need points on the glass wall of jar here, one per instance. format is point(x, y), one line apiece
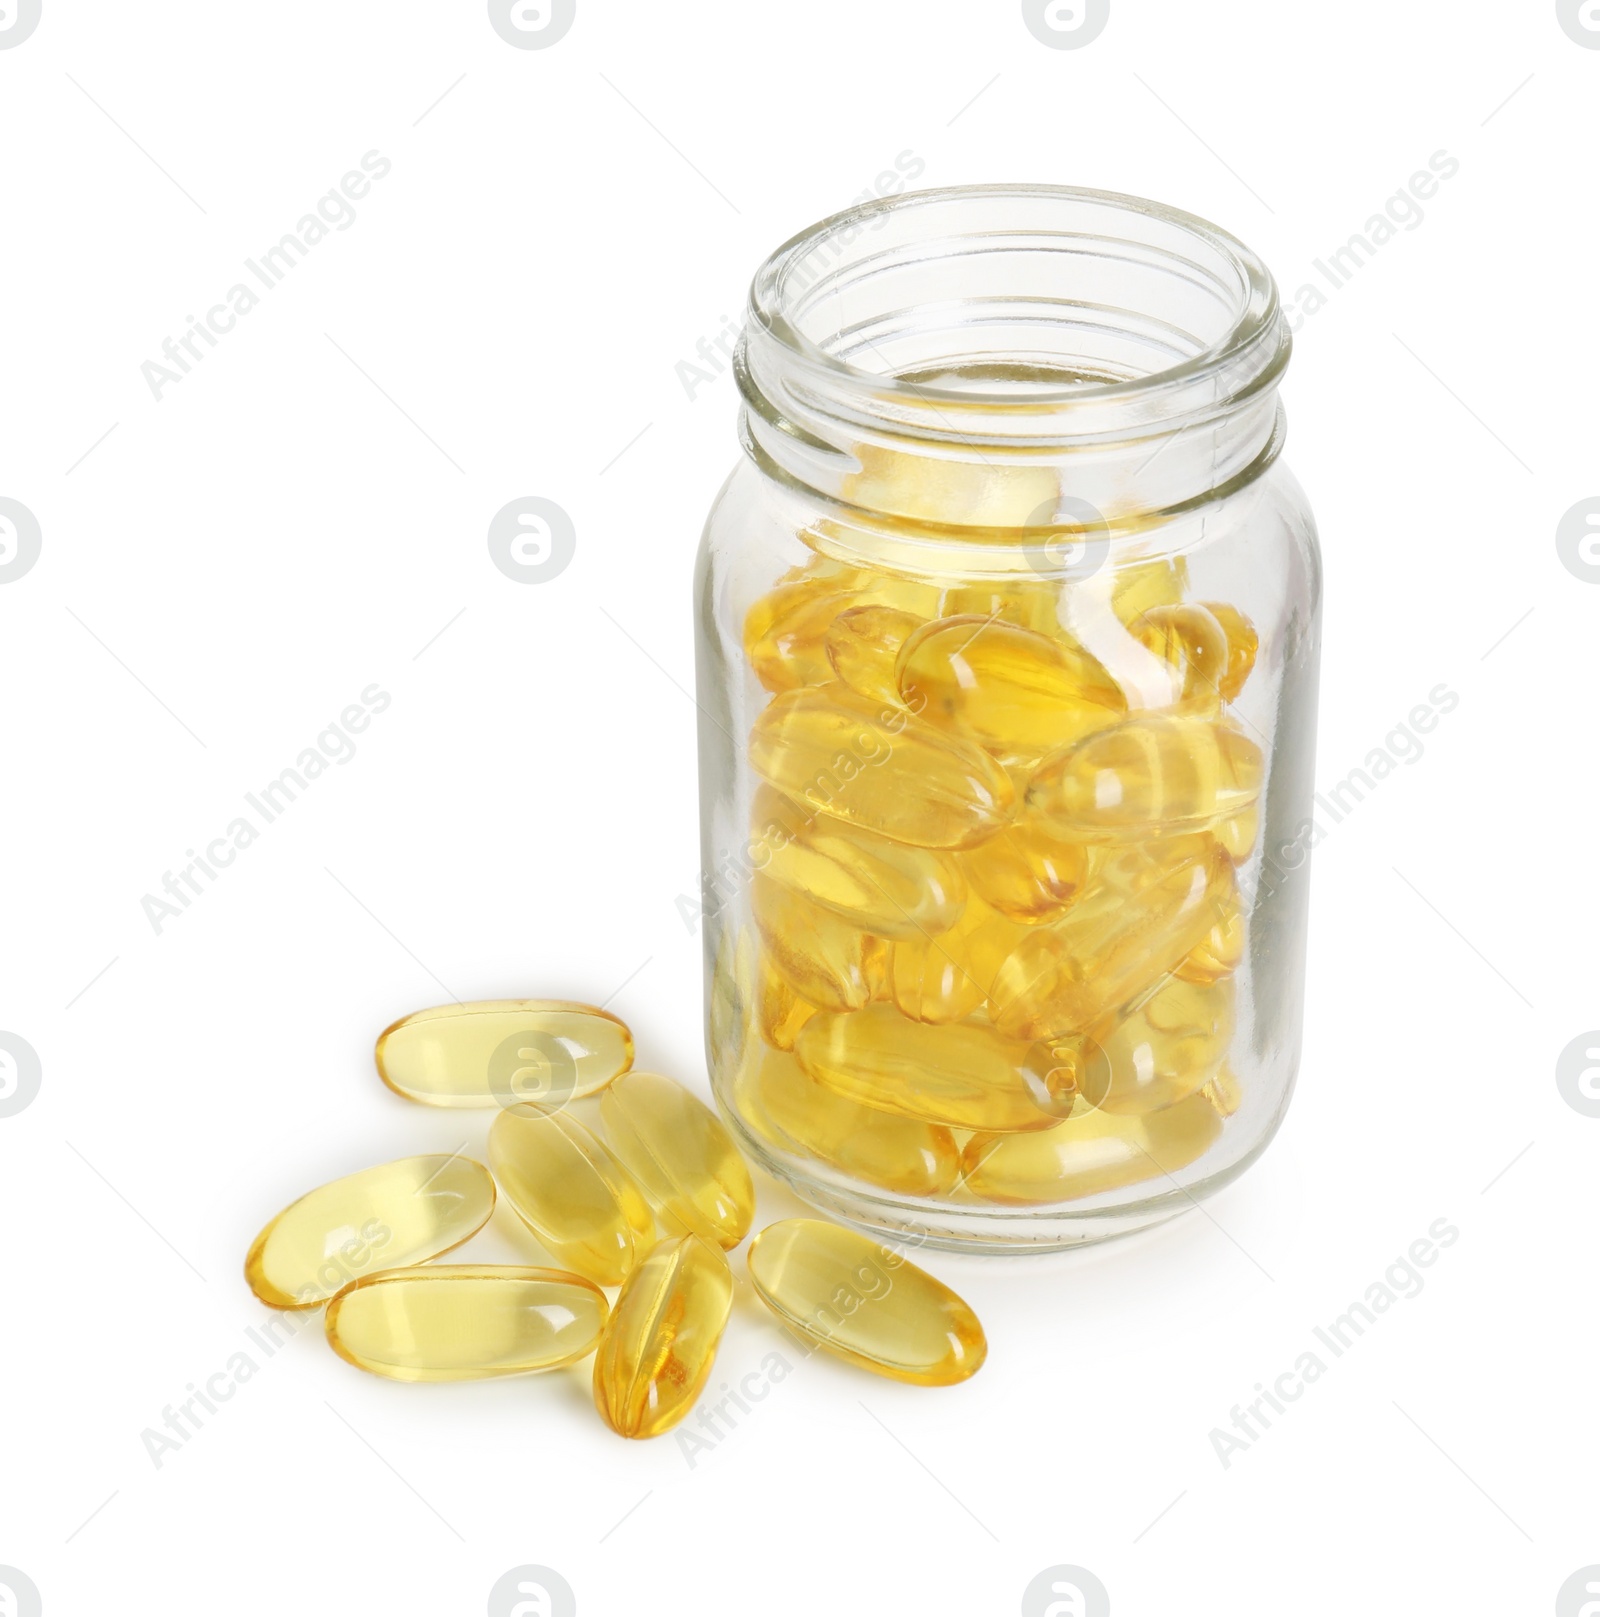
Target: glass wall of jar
point(1008, 626)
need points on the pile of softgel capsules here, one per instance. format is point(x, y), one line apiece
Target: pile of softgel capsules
point(649, 1204)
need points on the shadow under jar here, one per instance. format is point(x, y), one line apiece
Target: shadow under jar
point(1008, 628)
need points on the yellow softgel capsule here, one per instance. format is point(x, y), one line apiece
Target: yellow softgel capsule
point(1017, 692)
point(1151, 776)
point(1194, 646)
point(822, 957)
point(1027, 872)
point(679, 1152)
point(1114, 942)
point(1171, 1046)
point(961, 1074)
point(863, 644)
point(1243, 643)
point(881, 886)
point(1134, 590)
point(503, 1051)
point(947, 976)
point(893, 1152)
point(1238, 833)
point(880, 768)
point(401, 1213)
point(785, 634)
point(867, 1303)
point(1219, 953)
point(465, 1322)
point(1092, 1152)
point(658, 1346)
point(780, 1012)
point(569, 1189)
point(1035, 606)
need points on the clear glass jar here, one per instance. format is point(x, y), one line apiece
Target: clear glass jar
point(1008, 631)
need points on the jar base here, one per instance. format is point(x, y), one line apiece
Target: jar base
point(975, 1228)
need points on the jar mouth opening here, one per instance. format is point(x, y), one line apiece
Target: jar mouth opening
point(1015, 300)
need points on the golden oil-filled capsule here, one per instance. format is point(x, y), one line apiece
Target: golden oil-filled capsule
point(785, 634)
point(1092, 1152)
point(659, 1344)
point(822, 957)
point(1113, 943)
point(381, 1218)
point(880, 768)
point(881, 886)
point(947, 976)
point(961, 1074)
point(1151, 776)
point(981, 492)
point(466, 1321)
point(1194, 646)
point(1243, 643)
point(1017, 692)
point(893, 1152)
point(1164, 1051)
point(1238, 832)
point(863, 644)
point(780, 1012)
point(1027, 872)
point(1028, 605)
point(543, 1051)
point(569, 1189)
point(1224, 1091)
point(1134, 590)
point(866, 1302)
point(680, 1154)
point(1219, 953)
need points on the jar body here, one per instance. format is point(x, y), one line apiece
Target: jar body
point(1004, 847)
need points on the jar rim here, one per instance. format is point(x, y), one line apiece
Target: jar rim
point(1251, 351)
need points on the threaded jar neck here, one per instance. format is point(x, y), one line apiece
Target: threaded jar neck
point(1004, 357)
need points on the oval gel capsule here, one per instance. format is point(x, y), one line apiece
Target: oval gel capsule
point(897, 1153)
point(681, 1155)
point(863, 645)
point(1027, 872)
point(878, 885)
point(1113, 943)
point(1243, 643)
point(821, 956)
point(503, 1051)
point(785, 633)
point(658, 1347)
point(569, 1189)
point(1166, 1050)
point(1089, 1153)
point(865, 1302)
point(401, 1213)
point(465, 1322)
point(1194, 647)
point(1015, 691)
point(962, 1074)
point(1153, 776)
point(879, 767)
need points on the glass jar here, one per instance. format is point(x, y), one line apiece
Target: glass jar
point(1008, 631)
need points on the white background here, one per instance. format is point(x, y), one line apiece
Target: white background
point(305, 515)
